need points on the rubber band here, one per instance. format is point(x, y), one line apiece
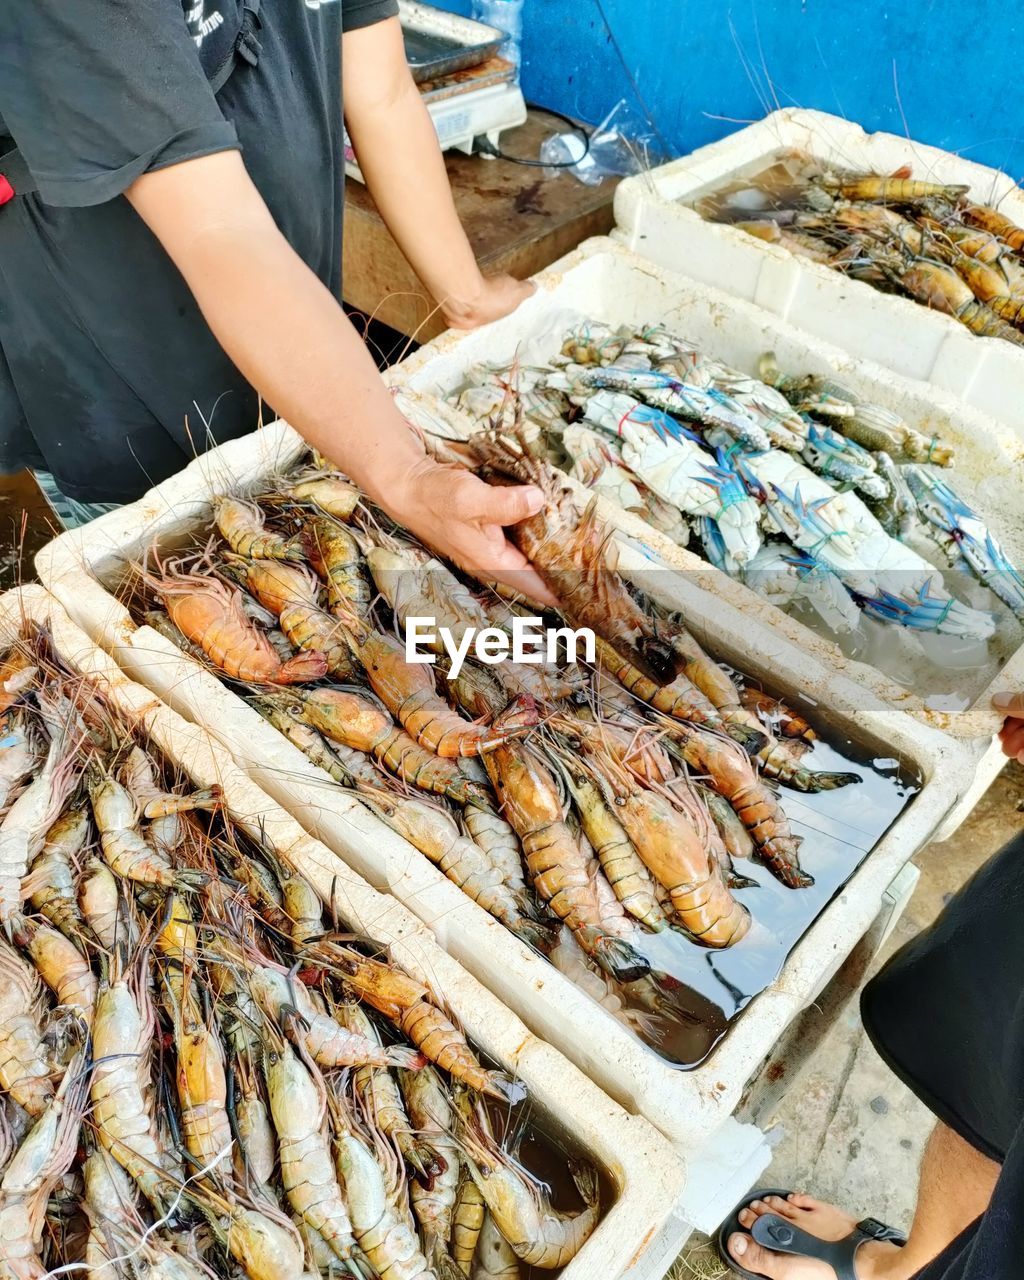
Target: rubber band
point(823, 542)
point(623, 420)
point(947, 609)
point(730, 502)
point(931, 447)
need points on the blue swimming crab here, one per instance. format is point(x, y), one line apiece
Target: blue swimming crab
point(965, 538)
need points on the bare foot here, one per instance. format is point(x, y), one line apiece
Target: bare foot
point(876, 1259)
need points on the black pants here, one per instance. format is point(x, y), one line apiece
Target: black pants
point(947, 1016)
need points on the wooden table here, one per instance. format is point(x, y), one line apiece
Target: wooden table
point(517, 220)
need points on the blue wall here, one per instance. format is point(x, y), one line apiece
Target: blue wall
point(946, 73)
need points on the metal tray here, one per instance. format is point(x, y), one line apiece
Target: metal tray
point(439, 44)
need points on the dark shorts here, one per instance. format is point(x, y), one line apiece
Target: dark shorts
point(947, 1016)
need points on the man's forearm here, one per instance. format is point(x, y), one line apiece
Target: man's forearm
point(295, 345)
point(405, 171)
point(401, 160)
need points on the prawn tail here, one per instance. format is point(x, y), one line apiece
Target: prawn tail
point(301, 668)
point(781, 856)
point(585, 1177)
point(618, 958)
point(750, 739)
point(496, 1084)
point(808, 781)
point(408, 1059)
point(520, 714)
point(210, 800)
point(539, 934)
point(443, 1265)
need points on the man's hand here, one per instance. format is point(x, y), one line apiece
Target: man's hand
point(498, 296)
point(1012, 733)
point(457, 514)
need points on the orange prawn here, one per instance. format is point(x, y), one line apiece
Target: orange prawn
point(893, 190)
point(409, 693)
point(570, 552)
point(241, 526)
point(673, 838)
point(998, 224)
point(626, 872)
point(290, 592)
point(410, 1006)
point(210, 615)
point(732, 775)
point(635, 749)
point(939, 286)
point(392, 992)
point(336, 556)
point(355, 721)
point(680, 699)
point(557, 864)
point(691, 660)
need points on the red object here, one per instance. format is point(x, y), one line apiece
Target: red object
point(6, 190)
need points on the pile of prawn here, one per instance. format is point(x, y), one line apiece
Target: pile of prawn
point(928, 241)
point(201, 1075)
point(585, 808)
point(815, 498)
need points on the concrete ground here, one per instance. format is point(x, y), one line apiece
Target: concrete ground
point(847, 1130)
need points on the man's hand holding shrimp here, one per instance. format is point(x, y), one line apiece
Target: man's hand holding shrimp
point(1012, 733)
point(456, 513)
point(293, 342)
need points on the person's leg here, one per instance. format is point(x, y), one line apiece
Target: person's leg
point(955, 1188)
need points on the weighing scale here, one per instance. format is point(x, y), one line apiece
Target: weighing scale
point(469, 90)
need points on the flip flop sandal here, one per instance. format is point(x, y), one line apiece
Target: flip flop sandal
point(775, 1233)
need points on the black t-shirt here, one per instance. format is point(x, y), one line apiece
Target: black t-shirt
point(947, 1015)
point(109, 376)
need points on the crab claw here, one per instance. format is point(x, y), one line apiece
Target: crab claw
point(1002, 578)
point(717, 552)
point(929, 612)
point(737, 520)
point(663, 424)
point(972, 540)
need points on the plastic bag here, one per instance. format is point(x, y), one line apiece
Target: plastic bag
point(621, 145)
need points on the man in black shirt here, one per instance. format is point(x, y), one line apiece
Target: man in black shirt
point(171, 194)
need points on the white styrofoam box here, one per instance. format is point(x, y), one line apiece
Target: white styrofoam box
point(607, 282)
point(643, 1224)
point(688, 1106)
point(654, 218)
